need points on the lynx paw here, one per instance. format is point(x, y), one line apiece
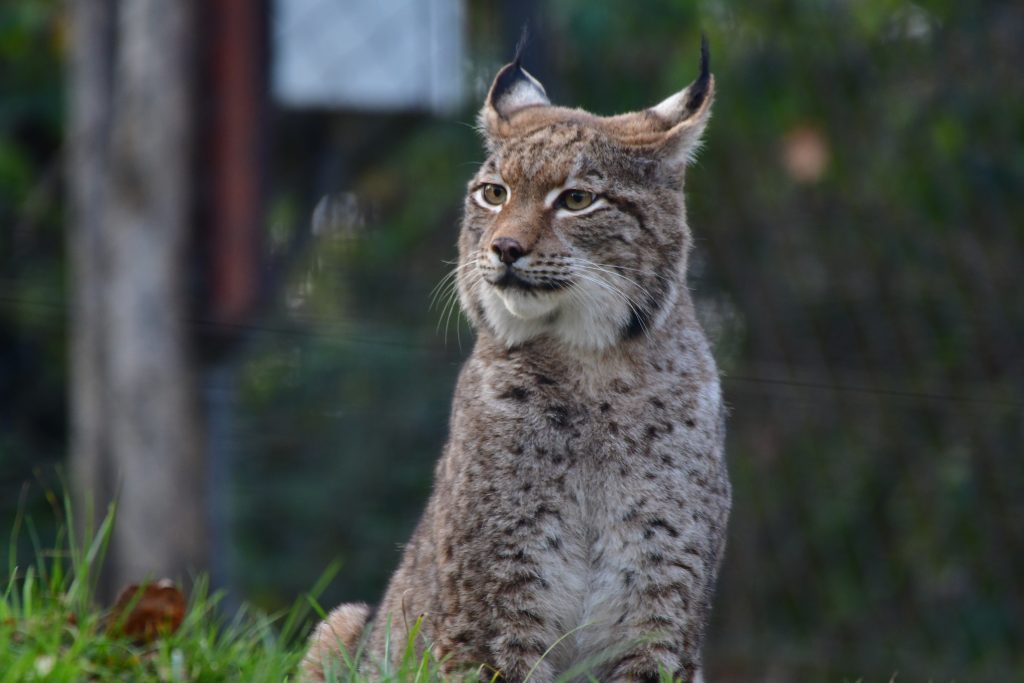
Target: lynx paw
point(341, 630)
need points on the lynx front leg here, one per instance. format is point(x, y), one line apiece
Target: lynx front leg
point(697, 677)
point(507, 669)
point(507, 659)
point(516, 667)
point(521, 634)
point(514, 657)
point(644, 664)
point(668, 601)
point(497, 623)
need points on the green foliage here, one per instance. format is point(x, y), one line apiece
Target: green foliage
point(52, 629)
point(32, 322)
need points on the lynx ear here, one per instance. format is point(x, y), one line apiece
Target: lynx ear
point(513, 89)
point(686, 113)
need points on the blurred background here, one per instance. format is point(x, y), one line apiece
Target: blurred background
point(220, 224)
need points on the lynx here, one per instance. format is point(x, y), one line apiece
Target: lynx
point(578, 515)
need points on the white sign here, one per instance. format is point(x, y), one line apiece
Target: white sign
point(378, 55)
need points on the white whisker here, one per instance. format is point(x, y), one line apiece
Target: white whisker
point(445, 281)
point(636, 309)
point(594, 267)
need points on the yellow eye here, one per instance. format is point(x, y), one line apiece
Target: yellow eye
point(576, 200)
point(495, 195)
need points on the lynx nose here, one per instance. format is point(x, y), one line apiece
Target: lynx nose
point(507, 249)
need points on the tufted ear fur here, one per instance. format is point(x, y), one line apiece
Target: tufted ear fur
point(513, 90)
point(686, 114)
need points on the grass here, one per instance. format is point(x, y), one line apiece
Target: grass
point(52, 629)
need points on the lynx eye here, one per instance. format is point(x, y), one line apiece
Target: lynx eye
point(495, 195)
point(576, 200)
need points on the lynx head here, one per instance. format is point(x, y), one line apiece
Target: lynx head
point(575, 225)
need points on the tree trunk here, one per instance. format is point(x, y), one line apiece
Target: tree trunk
point(136, 426)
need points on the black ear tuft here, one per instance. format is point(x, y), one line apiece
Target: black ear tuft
point(513, 90)
point(683, 116)
point(698, 90)
point(524, 38)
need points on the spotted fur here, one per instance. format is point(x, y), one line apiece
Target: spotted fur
point(580, 506)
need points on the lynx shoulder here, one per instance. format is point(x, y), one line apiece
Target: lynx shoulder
point(583, 489)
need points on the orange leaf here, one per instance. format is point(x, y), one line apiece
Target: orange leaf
point(157, 609)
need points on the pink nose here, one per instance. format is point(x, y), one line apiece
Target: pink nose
point(507, 249)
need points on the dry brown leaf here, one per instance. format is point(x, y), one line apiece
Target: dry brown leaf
point(157, 609)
